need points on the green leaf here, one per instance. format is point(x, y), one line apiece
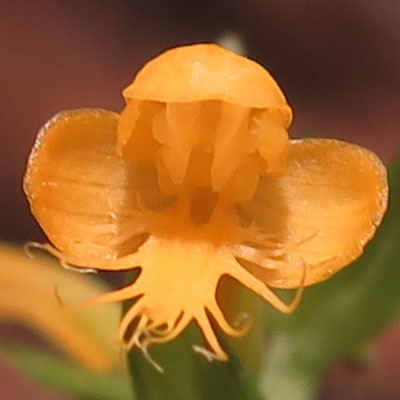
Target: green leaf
point(188, 376)
point(66, 376)
point(338, 316)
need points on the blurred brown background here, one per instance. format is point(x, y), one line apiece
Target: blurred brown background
point(338, 61)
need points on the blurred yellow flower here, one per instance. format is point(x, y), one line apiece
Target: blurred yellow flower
point(194, 180)
point(28, 295)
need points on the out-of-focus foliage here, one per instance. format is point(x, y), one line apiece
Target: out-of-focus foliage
point(65, 375)
point(189, 376)
point(37, 293)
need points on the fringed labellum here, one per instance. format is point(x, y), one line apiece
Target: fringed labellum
point(196, 179)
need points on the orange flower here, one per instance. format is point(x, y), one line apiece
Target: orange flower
point(197, 179)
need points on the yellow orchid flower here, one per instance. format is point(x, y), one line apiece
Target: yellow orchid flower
point(29, 290)
point(196, 179)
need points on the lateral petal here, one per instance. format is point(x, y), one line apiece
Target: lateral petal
point(82, 194)
point(319, 215)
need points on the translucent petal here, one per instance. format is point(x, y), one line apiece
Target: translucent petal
point(82, 194)
point(207, 72)
point(320, 214)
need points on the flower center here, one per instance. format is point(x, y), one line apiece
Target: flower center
point(207, 148)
